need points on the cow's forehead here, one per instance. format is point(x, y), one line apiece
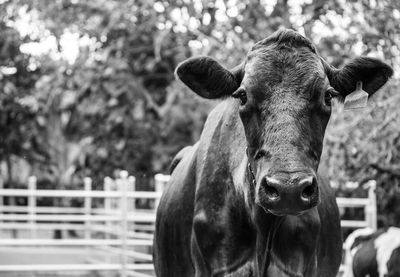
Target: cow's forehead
point(285, 52)
point(276, 66)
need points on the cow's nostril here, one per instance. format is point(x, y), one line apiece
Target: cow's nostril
point(309, 185)
point(271, 192)
point(308, 191)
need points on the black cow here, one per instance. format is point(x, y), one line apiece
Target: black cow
point(243, 201)
point(373, 254)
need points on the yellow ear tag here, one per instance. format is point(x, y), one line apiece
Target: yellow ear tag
point(357, 99)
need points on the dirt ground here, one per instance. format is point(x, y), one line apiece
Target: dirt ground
point(65, 255)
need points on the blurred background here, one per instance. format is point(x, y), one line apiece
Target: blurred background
point(88, 87)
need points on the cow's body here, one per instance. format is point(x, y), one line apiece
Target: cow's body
point(203, 221)
point(375, 255)
point(243, 201)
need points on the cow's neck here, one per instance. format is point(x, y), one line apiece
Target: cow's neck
point(266, 226)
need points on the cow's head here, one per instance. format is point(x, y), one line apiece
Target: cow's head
point(284, 91)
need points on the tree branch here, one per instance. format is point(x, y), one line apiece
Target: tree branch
point(159, 110)
point(393, 170)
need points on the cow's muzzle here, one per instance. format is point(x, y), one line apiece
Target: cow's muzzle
point(288, 193)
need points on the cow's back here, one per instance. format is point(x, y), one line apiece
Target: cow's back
point(174, 221)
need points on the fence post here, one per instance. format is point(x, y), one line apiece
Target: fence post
point(1, 196)
point(107, 205)
point(371, 210)
point(124, 221)
point(87, 182)
point(131, 203)
point(132, 187)
point(160, 181)
point(32, 181)
point(1, 187)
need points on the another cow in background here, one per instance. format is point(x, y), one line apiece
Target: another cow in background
point(373, 254)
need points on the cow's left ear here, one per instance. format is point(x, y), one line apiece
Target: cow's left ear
point(371, 72)
point(208, 78)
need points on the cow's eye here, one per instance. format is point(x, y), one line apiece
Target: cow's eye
point(260, 154)
point(240, 93)
point(329, 94)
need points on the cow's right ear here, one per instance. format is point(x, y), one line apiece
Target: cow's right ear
point(209, 79)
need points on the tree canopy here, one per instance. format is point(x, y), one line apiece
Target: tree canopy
point(88, 86)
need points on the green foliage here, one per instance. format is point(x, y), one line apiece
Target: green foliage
point(114, 102)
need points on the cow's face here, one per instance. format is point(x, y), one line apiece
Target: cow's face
point(285, 104)
point(284, 91)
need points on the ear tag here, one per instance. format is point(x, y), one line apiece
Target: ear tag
point(357, 99)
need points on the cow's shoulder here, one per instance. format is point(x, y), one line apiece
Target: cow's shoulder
point(174, 220)
point(178, 157)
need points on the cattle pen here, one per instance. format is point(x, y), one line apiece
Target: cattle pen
point(114, 237)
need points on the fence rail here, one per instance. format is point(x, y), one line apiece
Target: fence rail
point(75, 267)
point(80, 193)
point(73, 242)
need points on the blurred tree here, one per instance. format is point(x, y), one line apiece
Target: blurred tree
point(90, 84)
point(18, 105)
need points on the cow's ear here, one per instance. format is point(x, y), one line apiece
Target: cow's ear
point(208, 78)
point(371, 72)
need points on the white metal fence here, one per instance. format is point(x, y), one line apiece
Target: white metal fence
point(118, 232)
point(368, 204)
point(117, 236)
